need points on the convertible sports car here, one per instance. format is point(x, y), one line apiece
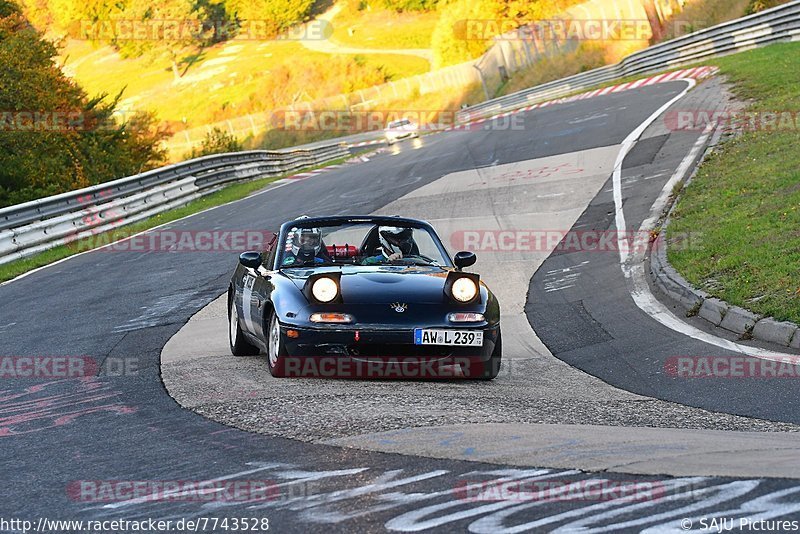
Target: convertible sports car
point(355, 296)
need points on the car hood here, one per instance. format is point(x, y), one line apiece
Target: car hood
point(381, 284)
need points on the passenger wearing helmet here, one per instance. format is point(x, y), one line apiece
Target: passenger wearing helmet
point(395, 243)
point(306, 248)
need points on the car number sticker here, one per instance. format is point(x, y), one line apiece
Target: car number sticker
point(247, 302)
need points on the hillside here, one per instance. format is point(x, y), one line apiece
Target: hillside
point(53, 136)
point(312, 51)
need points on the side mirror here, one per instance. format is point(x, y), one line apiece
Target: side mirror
point(251, 259)
point(464, 258)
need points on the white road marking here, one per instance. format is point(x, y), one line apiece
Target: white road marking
point(165, 495)
point(640, 291)
point(428, 517)
point(587, 119)
point(627, 145)
point(559, 284)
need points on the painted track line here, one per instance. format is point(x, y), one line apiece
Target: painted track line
point(634, 270)
point(696, 73)
point(627, 145)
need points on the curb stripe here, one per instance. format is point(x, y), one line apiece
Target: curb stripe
point(694, 73)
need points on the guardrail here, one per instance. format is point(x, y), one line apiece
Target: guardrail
point(35, 226)
point(779, 24)
point(31, 227)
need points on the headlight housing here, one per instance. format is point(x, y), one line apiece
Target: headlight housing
point(464, 289)
point(325, 289)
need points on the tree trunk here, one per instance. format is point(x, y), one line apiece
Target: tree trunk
point(655, 21)
point(176, 73)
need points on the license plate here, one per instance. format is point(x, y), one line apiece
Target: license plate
point(461, 338)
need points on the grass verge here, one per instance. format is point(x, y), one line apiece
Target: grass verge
point(587, 57)
point(382, 28)
point(227, 194)
point(743, 207)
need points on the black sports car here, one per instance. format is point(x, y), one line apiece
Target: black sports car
point(363, 296)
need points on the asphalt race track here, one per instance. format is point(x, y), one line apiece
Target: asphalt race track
point(382, 456)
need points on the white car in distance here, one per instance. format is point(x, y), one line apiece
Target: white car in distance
point(400, 129)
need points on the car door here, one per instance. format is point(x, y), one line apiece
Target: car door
point(248, 301)
point(261, 289)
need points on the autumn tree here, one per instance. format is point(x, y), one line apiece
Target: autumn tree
point(53, 138)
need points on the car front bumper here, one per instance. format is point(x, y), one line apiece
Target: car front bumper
point(400, 136)
point(355, 351)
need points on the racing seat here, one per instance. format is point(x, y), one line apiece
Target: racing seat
point(369, 246)
point(323, 252)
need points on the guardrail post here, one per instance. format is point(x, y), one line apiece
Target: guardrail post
point(483, 82)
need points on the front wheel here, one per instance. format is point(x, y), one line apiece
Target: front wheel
point(239, 344)
point(276, 361)
point(489, 369)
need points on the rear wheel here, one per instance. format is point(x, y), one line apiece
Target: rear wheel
point(276, 361)
point(239, 344)
point(489, 369)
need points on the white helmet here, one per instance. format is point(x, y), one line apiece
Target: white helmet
point(394, 239)
point(306, 243)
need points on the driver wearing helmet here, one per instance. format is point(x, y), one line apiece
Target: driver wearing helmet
point(306, 247)
point(395, 243)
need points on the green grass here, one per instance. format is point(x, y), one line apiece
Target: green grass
point(229, 80)
point(397, 66)
point(223, 196)
point(743, 207)
point(220, 84)
point(586, 57)
point(700, 15)
point(379, 28)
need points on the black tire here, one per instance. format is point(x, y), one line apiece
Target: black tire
point(276, 353)
point(239, 344)
point(489, 369)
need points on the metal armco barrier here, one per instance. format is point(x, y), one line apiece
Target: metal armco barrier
point(35, 226)
point(779, 24)
point(31, 227)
